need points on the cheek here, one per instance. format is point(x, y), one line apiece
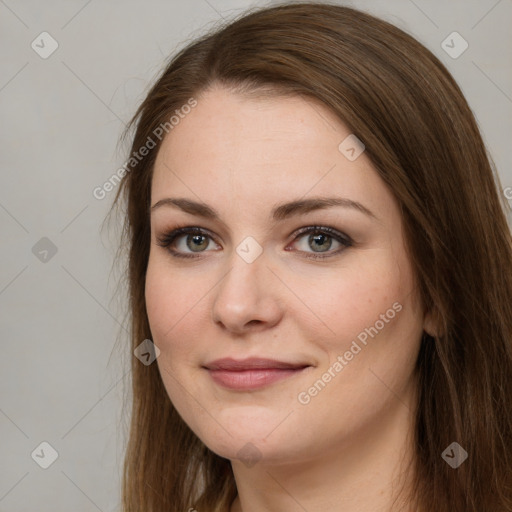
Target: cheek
point(352, 298)
point(161, 300)
point(371, 319)
point(178, 304)
point(173, 306)
point(369, 360)
point(170, 306)
point(170, 298)
point(377, 321)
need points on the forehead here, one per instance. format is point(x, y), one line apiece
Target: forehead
point(228, 121)
point(260, 150)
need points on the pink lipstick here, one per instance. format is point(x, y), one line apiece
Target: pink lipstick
point(252, 373)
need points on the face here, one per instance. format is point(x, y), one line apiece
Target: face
point(326, 287)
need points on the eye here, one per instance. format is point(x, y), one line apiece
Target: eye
point(197, 240)
point(320, 239)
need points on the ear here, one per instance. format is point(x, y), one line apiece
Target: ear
point(432, 323)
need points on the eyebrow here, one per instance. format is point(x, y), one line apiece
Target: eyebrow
point(279, 212)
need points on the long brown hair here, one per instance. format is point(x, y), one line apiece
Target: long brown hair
point(422, 138)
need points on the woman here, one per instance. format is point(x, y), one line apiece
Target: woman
point(320, 256)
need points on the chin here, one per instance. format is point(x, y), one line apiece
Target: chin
point(252, 443)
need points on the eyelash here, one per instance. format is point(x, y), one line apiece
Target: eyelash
point(169, 237)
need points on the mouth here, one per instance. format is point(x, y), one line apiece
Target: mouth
point(253, 373)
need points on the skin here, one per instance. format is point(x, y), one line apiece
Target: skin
point(348, 448)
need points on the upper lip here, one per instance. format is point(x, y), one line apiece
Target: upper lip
point(251, 363)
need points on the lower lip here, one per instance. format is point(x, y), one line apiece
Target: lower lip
point(246, 380)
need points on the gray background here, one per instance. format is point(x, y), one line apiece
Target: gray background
point(62, 374)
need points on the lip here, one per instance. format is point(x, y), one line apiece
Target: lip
point(252, 373)
point(252, 363)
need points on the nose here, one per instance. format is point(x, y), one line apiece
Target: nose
point(247, 297)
